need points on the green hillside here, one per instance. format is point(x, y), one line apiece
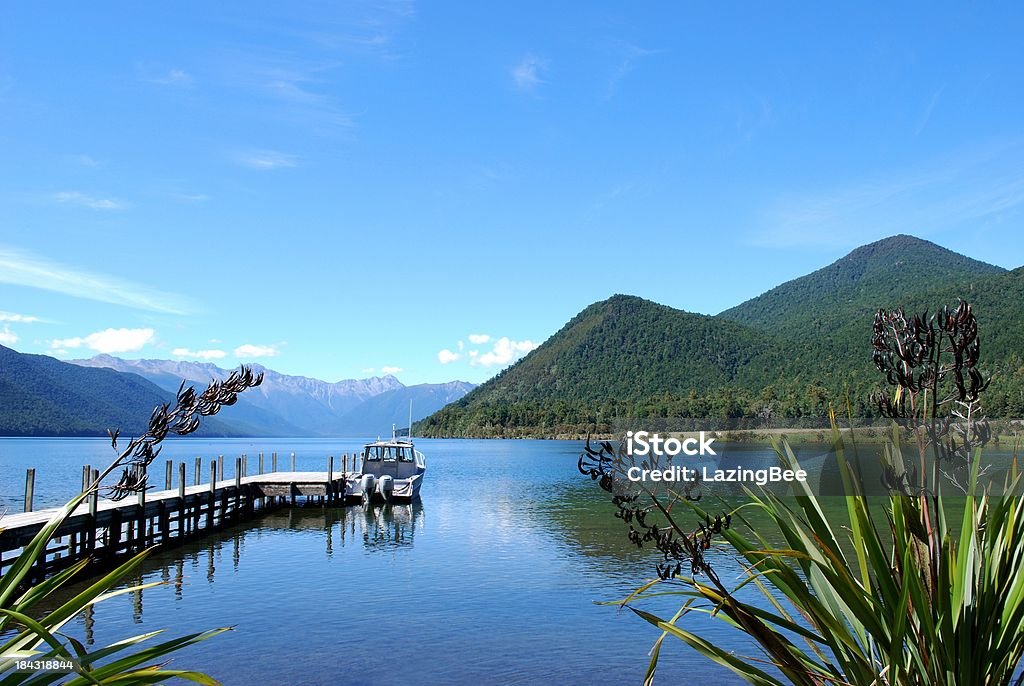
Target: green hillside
point(42, 396)
point(785, 354)
point(622, 356)
point(842, 294)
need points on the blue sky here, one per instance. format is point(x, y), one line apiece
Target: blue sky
point(334, 188)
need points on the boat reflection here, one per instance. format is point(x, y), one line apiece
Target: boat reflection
point(373, 528)
point(383, 527)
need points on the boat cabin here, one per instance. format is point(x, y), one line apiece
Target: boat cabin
point(398, 459)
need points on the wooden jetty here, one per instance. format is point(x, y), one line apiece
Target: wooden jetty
point(107, 530)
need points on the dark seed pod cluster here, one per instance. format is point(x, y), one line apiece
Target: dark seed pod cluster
point(638, 504)
point(932, 363)
point(179, 419)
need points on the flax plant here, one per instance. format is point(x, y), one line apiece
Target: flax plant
point(29, 635)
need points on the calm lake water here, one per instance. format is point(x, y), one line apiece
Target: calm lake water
point(491, 578)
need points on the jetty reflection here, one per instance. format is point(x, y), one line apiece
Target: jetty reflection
point(372, 528)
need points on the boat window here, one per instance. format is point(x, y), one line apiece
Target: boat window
point(405, 455)
point(372, 453)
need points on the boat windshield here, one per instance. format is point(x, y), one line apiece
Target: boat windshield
point(388, 453)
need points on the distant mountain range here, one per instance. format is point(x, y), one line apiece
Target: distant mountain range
point(787, 353)
point(40, 395)
point(285, 405)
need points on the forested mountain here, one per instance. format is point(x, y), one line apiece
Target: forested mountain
point(785, 354)
point(880, 274)
point(42, 396)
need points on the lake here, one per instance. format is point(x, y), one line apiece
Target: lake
point(491, 578)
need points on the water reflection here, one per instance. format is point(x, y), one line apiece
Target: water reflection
point(374, 528)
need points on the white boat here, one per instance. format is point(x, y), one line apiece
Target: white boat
point(391, 471)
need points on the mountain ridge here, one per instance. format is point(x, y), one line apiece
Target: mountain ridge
point(791, 351)
point(40, 395)
point(290, 405)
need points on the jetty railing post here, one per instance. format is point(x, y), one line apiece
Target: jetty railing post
point(261, 462)
point(213, 495)
point(141, 520)
point(170, 473)
point(94, 475)
point(199, 467)
point(182, 519)
point(238, 484)
point(220, 466)
point(330, 479)
point(273, 462)
point(293, 462)
point(30, 487)
point(245, 465)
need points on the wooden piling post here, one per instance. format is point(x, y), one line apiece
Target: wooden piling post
point(273, 461)
point(238, 485)
point(330, 479)
point(261, 462)
point(293, 462)
point(182, 520)
point(220, 466)
point(170, 472)
point(165, 522)
point(114, 534)
point(213, 495)
point(245, 465)
point(30, 487)
point(94, 475)
point(140, 520)
point(199, 467)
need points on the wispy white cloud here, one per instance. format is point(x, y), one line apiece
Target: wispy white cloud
point(249, 351)
point(265, 160)
point(527, 74)
point(91, 201)
point(107, 341)
point(212, 354)
point(478, 338)
point(188, 197)
point(390, 370)
point(628, 54)
point(970, 188)
point(165, 77)
point(8, 337)
point(447, 356)
point(26, 269)
point(287, 89)
point(753, 118)
point(369, 370)
point(14, 317)
point(927, 116)
point(89, 161)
